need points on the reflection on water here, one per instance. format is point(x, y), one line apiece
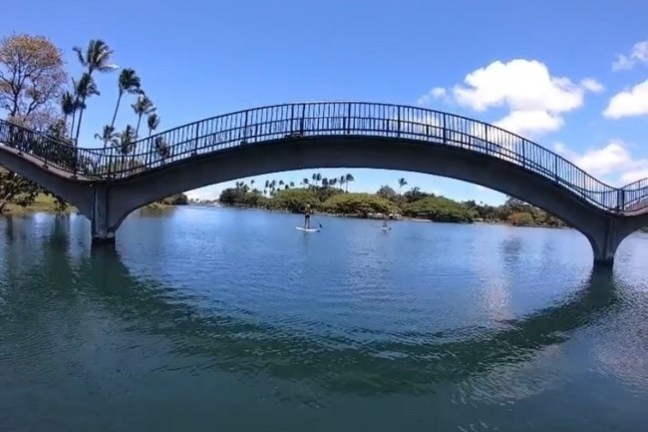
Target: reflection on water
point(230, 318)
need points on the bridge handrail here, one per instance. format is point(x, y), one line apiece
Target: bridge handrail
point(246, 127)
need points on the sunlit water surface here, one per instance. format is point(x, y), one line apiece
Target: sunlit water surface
point(232, 320)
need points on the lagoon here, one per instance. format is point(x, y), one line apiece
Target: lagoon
point(232, 320)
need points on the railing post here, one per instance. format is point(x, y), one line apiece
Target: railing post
point(398, 132)
point(347, 125)
point(44, 152)
point(556, 177)
point(110, 162)
point(245, 125)
point(301, 122)
point(196, 135)
point(445, 129)
point(620, 200)
point(524, 164)
point(149, 154)
point(75, 163)
point(292, 119)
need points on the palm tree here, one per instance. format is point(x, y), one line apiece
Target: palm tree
point(125, 143)
point(305, 182)
point(68, 107)
point(401, 182)
point(142, 105)
point(84, 88)
point(348, 179)
point(128, 82)
point(95, 58)
point(292, 184)
point(162, 148)
point(108, 136)
point(152, 121)
point(325, 182)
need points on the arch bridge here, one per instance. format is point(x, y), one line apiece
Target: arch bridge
point(106, 184)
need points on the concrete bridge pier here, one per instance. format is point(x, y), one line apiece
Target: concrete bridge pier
point(103, 231)
point(614, 230)
point(605, 243)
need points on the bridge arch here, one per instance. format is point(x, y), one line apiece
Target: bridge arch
point(357, 152)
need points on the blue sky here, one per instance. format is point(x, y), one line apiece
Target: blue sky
point(549, 70)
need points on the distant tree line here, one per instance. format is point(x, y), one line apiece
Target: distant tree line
point(332, 196)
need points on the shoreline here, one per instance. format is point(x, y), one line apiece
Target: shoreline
point(44, 206)
point(376, 218)
point(13, 210)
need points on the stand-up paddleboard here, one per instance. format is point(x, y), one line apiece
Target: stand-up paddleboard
point(387, 228)
point(309, 230)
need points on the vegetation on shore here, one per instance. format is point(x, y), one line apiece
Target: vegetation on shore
point(46, 203)
point(36, 92)
point(331, 196)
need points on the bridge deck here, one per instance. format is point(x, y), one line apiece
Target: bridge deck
point(38, 161)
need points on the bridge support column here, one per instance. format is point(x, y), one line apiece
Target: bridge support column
point(606, 243)
point(102, 231)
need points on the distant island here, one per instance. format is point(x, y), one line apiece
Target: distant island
point(331, 196)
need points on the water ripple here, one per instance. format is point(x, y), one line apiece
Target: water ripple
point(227, 311)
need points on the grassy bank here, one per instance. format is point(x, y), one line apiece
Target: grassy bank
point(44, 203)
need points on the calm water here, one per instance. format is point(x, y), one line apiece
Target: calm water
point(214, 319)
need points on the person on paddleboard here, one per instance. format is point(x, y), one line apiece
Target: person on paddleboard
point(385, 225)
point(307, 215)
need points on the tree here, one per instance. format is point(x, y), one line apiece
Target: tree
point(439, 209)
point(162, 148)
point(108, 136)
point(386, 192)
point(16, 189)
point(153, 121)
point(68, 108)
point(96, 58)
point(83, 88)
point(415, 194)
point(128, 82)
point(143, 105)
point(125, 143)
point(126, 139)
point(401, 182)
point(348, 179)
point(31, 84)
point(31, 77)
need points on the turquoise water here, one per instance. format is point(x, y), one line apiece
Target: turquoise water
point(231, 320)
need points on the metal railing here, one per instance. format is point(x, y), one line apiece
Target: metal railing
point(287, 121)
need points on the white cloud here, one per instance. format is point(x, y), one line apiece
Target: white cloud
point(632, 102)
point(435, 93)
point(535, 99)
point(612, 162)
point(638, 54)
point(592, 85)
point(530, 122)
point(520, 85)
